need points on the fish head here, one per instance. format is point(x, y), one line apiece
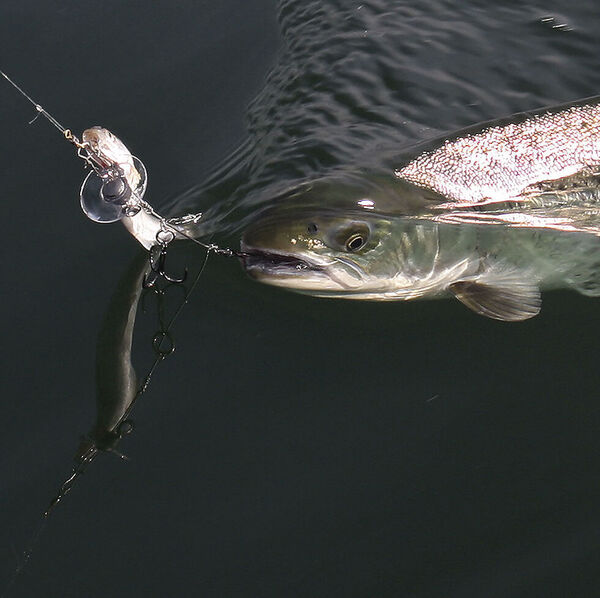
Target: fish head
point(328, 253)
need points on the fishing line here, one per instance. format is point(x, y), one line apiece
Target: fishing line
point(39, 108)
point(26, 556)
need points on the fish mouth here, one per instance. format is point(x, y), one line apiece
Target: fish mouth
point(295, 273)
point(259, 264)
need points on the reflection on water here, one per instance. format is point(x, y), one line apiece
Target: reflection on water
point(117, 385)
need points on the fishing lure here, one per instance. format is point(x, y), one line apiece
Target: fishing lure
point(114, 189)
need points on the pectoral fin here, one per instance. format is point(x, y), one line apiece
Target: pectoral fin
point(506, 298)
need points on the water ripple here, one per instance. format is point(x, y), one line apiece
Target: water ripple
point(356, 80)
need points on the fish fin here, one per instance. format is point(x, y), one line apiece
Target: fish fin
point(502, 297)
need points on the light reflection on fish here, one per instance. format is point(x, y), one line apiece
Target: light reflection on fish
point(512, 159)
point(490, 215)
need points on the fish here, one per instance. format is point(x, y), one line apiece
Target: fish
point(490, 215)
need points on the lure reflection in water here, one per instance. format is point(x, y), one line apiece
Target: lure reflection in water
point(490, 215)
point(116, 380)
point(118, 386)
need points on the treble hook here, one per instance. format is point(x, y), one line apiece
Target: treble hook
point(157, 265)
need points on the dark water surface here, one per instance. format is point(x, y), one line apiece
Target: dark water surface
point(291, 446)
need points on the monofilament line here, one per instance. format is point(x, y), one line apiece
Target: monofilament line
point(39, 108)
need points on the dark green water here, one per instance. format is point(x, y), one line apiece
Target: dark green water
point(290, 446)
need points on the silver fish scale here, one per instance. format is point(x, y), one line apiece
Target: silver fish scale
point(501, 161)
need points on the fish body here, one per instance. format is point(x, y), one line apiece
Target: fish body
point(490, 215)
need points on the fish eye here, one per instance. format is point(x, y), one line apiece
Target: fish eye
point(312, 228)
point(351, 237)
point(355, 241)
